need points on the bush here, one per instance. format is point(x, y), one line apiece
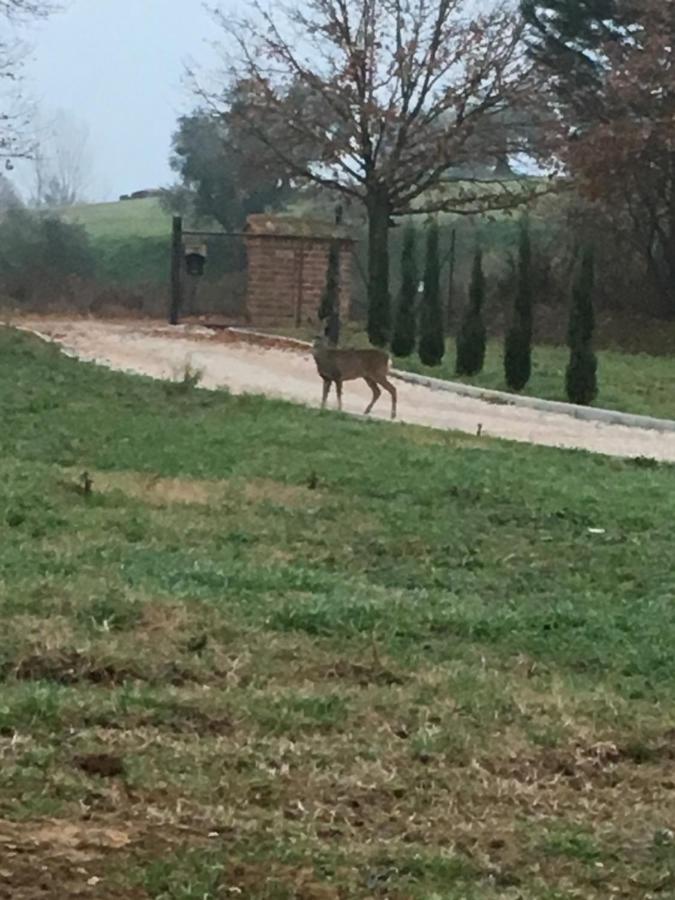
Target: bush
point(40, 251)
point(471, 338)
point(582, 314)
point(405, 331)
point(518, 343)
point(581, 378)
point(432, 334)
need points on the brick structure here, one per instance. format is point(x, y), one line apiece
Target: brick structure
point(287, 262)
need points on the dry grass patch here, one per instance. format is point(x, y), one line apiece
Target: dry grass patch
point(290, 496)
point(156, 491)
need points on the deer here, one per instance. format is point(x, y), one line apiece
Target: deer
point(336, 366)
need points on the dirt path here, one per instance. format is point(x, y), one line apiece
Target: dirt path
point(162, 352)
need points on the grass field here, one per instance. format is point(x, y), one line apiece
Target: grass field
point(635, 383)
point(324, 658)
point(121, 220)
point(130, 239)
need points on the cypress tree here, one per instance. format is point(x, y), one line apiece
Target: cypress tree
point(518, 343)
point(432, 331)
point(581, 378)
point(329, 308)
point(405, 331)
point(471, 338)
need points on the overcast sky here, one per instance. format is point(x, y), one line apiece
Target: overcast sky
point(117, 65)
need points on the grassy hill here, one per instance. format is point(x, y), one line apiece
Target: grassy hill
point(326, 659)
point(122, 219)
point(130, 239)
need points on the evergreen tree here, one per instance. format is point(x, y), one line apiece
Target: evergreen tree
point(581, 379)
point(518, 344)
point(405, 332)
point(329, 308)
point(471, 338)
point(432, 331)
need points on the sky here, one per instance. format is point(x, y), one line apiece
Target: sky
point(117, 66)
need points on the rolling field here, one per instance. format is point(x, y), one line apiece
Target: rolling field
point(266, 652)
point(131, 240)
point(123, 219)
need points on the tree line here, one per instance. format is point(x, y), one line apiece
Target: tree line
point(412, 109)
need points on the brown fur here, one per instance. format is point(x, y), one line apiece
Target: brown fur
point(337, 366)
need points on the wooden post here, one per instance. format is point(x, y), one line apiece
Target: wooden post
point(176, 265)
point(451, 281)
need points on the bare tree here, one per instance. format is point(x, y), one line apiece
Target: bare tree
point(23, 9)
point(9, 199)
point(15, 112)
point(62, 162)
point(395, 93)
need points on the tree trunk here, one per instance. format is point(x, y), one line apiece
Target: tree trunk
point(669, 250)
point(379, 301)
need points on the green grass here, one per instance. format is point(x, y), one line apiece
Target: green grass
point(337, 659)
point(130, 239)
point(123, 219)
point(131, 243)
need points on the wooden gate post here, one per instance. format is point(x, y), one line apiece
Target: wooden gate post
point(176, 264)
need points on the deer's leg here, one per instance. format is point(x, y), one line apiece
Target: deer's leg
point(338, 390)
point(376, 394)
point(326, 391)
point(388, 386)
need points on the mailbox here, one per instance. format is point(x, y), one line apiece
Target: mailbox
point(195, 259)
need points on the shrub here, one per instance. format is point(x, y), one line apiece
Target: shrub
point(40, 251)
point(432, 332)
point(405, 331)
point(471, 338)
point(581, 377)
point(518, 343)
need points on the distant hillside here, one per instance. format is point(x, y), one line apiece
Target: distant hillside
point(131, 240)
point(122, 219)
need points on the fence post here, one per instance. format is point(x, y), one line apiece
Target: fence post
point(176, 264)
